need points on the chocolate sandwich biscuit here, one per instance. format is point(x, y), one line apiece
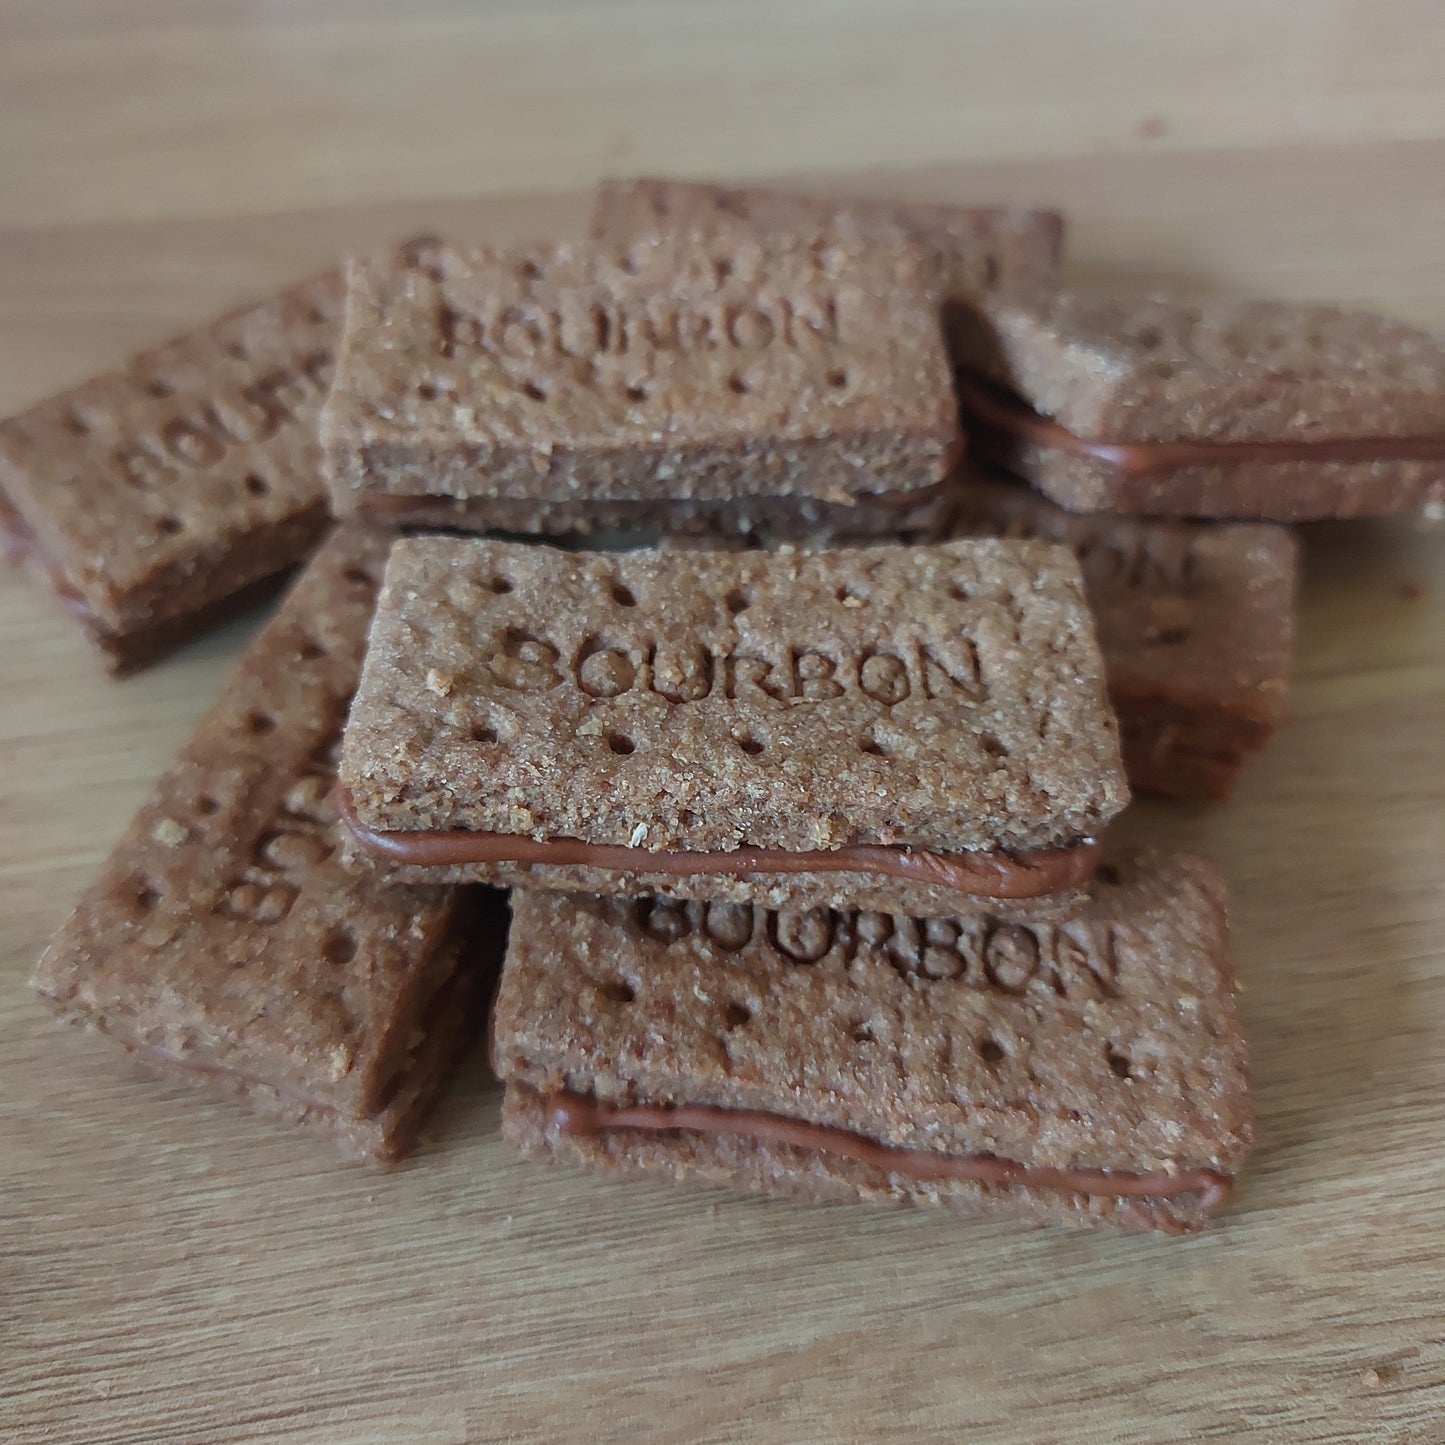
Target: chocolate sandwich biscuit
point(897, 727)
point(224, 945)
point(970, 250)
point(1086, 1070)
point(680, 384)
point(1218, 408)
point(150, 500)
point(1195, 621)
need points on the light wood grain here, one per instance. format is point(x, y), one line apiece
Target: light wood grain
point(173, 1271)
point(189, 109)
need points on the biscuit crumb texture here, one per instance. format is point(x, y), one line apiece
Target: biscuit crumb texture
point(948, 697)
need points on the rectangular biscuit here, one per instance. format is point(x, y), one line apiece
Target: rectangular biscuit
point(1219, 408)
point(1086, 1070)
point(693, 386)
point(150, 499)
point(970, 250)
point(898, 726)
point(1195, 621)
point(223, 943)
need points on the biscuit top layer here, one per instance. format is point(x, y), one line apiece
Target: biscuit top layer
point(128, 480)
point(1106, 1040)
point(950, 697)
point(1132, 368)
point(970, 249)
point(670, 369)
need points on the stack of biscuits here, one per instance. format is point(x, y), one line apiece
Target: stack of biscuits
point(773, 594)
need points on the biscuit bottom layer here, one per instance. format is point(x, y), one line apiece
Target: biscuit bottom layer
point(999, 409)
point(1035, 873)
point(581, 1116)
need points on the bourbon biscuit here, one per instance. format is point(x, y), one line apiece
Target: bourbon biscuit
point(156, 498)
point(970, 250)
point(1218, 408)
point(1088, 1070)
point(911, 727)
point(685, 384)
point(224, 944)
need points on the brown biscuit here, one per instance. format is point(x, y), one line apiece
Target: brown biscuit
point(1219, 408)
point(544, 390)
point(150, 499)
point(1105, 1041)
point(224, 944)
point(970, 250)
point(1195, 622)
point(941, 700)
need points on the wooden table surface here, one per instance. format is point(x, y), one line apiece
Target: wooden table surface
point(173, 1271)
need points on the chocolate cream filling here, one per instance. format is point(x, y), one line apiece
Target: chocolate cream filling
point(580, 1116)
point(1000, 410)
point(1035, 873)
